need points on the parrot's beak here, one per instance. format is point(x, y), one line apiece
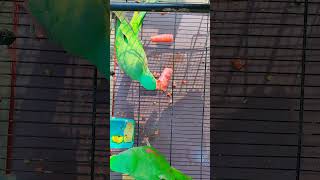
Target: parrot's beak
point(163, 81)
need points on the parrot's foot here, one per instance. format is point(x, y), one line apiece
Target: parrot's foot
point(163, 81)
point(146, 140)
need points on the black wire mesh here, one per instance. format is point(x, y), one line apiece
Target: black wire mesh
point(178, 125)
point(53, 108)
point(265, 116)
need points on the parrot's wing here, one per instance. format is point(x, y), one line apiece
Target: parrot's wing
point(64, 23)
point(124, 25)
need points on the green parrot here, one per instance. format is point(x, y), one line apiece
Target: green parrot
point(81, 27)
point(130, 53)
point(145, 163)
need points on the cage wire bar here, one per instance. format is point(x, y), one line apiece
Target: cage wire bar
point(265, 121)
point(160, 7)
point(177, 125)
point(55, 106)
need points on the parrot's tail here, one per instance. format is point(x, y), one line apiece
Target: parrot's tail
point(163, 81)
point(178, 175)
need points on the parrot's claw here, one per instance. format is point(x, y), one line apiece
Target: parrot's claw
point(147, 141)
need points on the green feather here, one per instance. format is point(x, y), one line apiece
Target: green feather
point(145, 163)
point(81, 27)
point(130, 53)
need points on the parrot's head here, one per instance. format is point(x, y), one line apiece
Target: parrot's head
point(148, 81)
point(122, 163)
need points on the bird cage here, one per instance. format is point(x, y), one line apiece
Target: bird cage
point(265, 89)
point(175, 121)
point(54, 107)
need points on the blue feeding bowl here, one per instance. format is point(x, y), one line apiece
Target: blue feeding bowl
point(121, 133)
